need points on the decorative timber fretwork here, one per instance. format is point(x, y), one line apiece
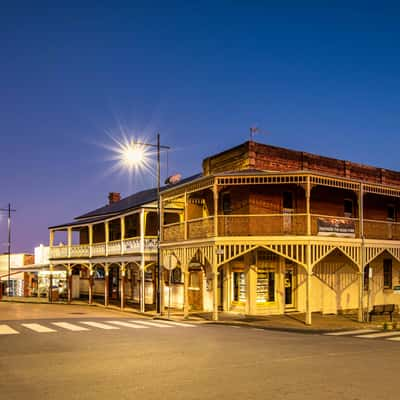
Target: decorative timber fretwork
point(353, 252)
point(334, 182)
point(319, 252)
point(195, 186)
point(293, 252)
point(383, 190)
point(261, 179)
point(228, 252)
point(202, 254)
point(395, 252)
point(370, 253)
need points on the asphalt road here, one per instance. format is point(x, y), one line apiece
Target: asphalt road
point(201, 362)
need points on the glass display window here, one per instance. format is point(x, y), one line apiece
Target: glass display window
point(239, 287)
point(265, 289)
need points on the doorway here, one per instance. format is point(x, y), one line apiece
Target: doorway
point(289, 284)
point(195, 290)
point(221, 289)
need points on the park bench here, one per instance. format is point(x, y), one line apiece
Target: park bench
point(383, 309)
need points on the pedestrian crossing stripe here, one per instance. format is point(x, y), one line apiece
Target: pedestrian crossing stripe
point(174, 323)
point(106, 325)
point(344, 333)
point(70, 327)
point(99, 325)
point(6, 330)
point(38, 328)
point(152, 324)
point(378, 335)
point(396, 339)
point(127, 324)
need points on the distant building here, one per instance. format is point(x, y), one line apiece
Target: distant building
point(17, 276)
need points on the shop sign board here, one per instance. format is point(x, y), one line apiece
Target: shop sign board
point(336, 227)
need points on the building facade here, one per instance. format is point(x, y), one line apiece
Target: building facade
point(109, 254)
point(268, 230)
point(262, 230)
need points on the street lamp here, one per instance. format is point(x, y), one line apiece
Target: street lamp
point(133, 154)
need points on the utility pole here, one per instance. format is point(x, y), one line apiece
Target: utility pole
point(9, 210)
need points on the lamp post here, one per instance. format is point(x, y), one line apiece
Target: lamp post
point(132, 156)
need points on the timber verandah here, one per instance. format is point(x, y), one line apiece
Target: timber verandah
point(214, 239)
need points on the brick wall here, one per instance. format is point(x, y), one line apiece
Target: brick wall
point(252, 155)
point(330, 201)
point(375, 207)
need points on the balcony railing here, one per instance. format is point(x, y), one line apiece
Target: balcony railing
point(262, 225)
point(116, 247)
point(382, 230)
point(279, 225)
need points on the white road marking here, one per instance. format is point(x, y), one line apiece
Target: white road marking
point(70, 327)
point(176, 323)
point(152, 324)
point(127, 324)
point(397, 339)
point(6, 330)
point(379, 335)
point(99, 325)
point(38, 328)
point(344, 333)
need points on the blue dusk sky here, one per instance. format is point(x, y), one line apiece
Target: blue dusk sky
point(322, 77)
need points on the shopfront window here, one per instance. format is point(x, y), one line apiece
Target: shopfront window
point(387, 274)
point(239, 287)
point(265, 290)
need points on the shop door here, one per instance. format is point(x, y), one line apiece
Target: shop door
point(113, 283)
point(289, 288)
point(195, 290)
point(221, 289)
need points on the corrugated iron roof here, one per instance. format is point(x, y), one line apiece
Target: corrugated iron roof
point(136, 200)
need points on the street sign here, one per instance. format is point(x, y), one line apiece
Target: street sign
point(170, 261)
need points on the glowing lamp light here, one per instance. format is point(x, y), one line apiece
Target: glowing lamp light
point(132, 155)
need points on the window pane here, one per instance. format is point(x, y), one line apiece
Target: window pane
point(288, 200)
point(391, 212)
point(387, 274)
point(348, 207)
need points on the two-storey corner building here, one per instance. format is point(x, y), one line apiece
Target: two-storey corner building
point(268, 230)
point(110, 253)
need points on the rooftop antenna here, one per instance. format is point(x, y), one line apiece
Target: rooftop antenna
point(254, 130)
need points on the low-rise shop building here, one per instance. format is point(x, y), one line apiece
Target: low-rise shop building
point(262, 230)
point(267, 230)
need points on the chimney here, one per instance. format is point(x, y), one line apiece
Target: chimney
point(114, 197)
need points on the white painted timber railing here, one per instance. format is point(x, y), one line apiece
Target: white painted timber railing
point(116, 247)
point(79, 250)
point(98, 249)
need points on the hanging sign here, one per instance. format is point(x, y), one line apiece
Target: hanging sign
point(336, 227)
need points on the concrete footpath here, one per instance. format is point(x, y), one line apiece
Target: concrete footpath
point(293, 322)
